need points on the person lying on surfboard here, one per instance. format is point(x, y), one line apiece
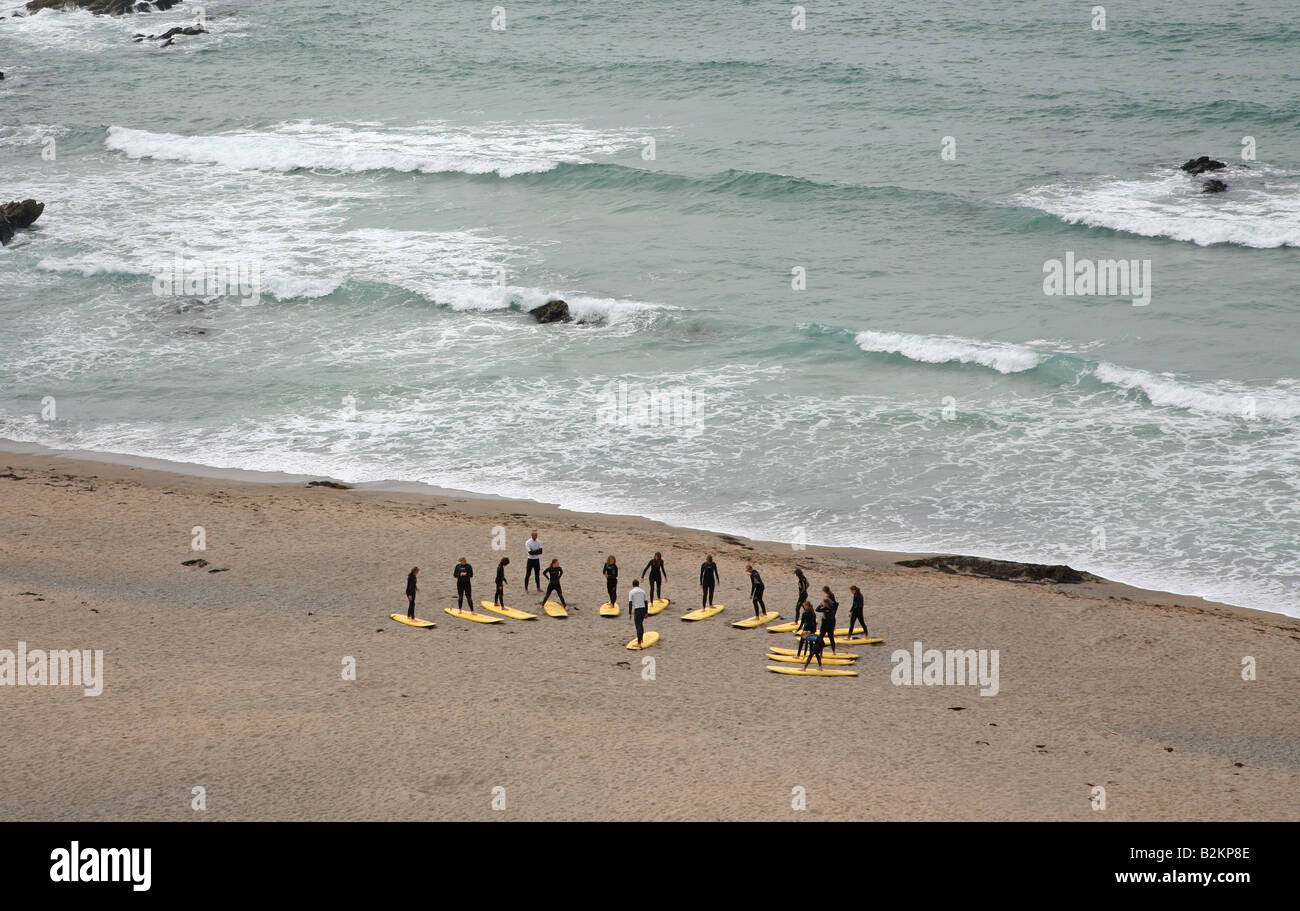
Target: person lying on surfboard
point(814, 644)
point(638, 605)
point(756, 591)
point(499, 600)
point(411, 589)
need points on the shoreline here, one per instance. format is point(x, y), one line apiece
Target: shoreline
point(226, 675)
point(868, 557)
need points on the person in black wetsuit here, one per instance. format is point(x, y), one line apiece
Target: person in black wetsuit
point(814, 644)
point(552, 574)
point(499, 598)
point(533, 550)
point(807, 624)
point(610, 569)
point(855, 612)
point(803, 591)
point(708, 580)
point(654, 574)
point(756, 591)
point(827, 610)
point(411, 589)
point(463, 573)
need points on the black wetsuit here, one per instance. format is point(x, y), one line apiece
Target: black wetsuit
point(638, 614)
point(552, 574)
point(803, 594)
point(463, 573)
point(828, 620)
point(533, 566)
point(855, 615)
point(499, 599)
point(611, 581)
point(815, 646)
point(708, 579)
point(654, 573)
point(756, 593)
point(807, 624)
point(410, 595)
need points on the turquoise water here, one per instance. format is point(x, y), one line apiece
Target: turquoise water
point(399, 182)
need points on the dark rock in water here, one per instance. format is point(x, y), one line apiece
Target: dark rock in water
point(103, 7)
point(334, 484)
point(1006, 570)
point(556, 311)
point(1213, 186)
point(14, 216)
point(1200, 165)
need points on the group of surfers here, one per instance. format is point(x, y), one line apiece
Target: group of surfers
point(813, 635)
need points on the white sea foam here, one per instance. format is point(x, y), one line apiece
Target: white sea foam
point(431, 147)
point(932, 349)
point(1260, 209)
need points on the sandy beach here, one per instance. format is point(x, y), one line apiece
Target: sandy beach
point(232, 681)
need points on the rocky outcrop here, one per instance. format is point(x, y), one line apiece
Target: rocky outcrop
point(14, 216)
point(1006, 570)
point(1200, 165)
point(103, 7)
point(167, 36)
point(554, 311)
point(1213, 186)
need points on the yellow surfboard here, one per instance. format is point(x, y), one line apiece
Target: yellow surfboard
point(790, 659)
point(651, 637)
point(417, 622)
point(703, 613)
point(555, 609)
point(609, 609)
point(510, 612)
point(858, 641)
point(471, 615)
point(783, 627)
point(812, 672)
point(789, 651)
point(751, 622)
point(658, 604)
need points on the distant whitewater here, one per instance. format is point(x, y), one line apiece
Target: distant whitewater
point(1260, 209)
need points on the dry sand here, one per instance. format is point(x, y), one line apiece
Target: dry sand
point(232, 681)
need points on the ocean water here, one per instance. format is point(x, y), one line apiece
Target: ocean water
point(399, 182)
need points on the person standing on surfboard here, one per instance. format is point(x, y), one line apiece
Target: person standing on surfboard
point(807, 624)
point(552, 574)
point(657, 573)
point(708, 579)
point(638, 605)
point(803, 590)
point(610, 569)
point(499, 599)
point(411, 589)
point(463, 573)
point(827, 610)
point(533, 548)
point(814, 644)
point(756, 591)
point(855, 612)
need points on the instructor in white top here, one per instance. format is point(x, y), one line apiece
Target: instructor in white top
point(638, 605)
point(533, 549)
